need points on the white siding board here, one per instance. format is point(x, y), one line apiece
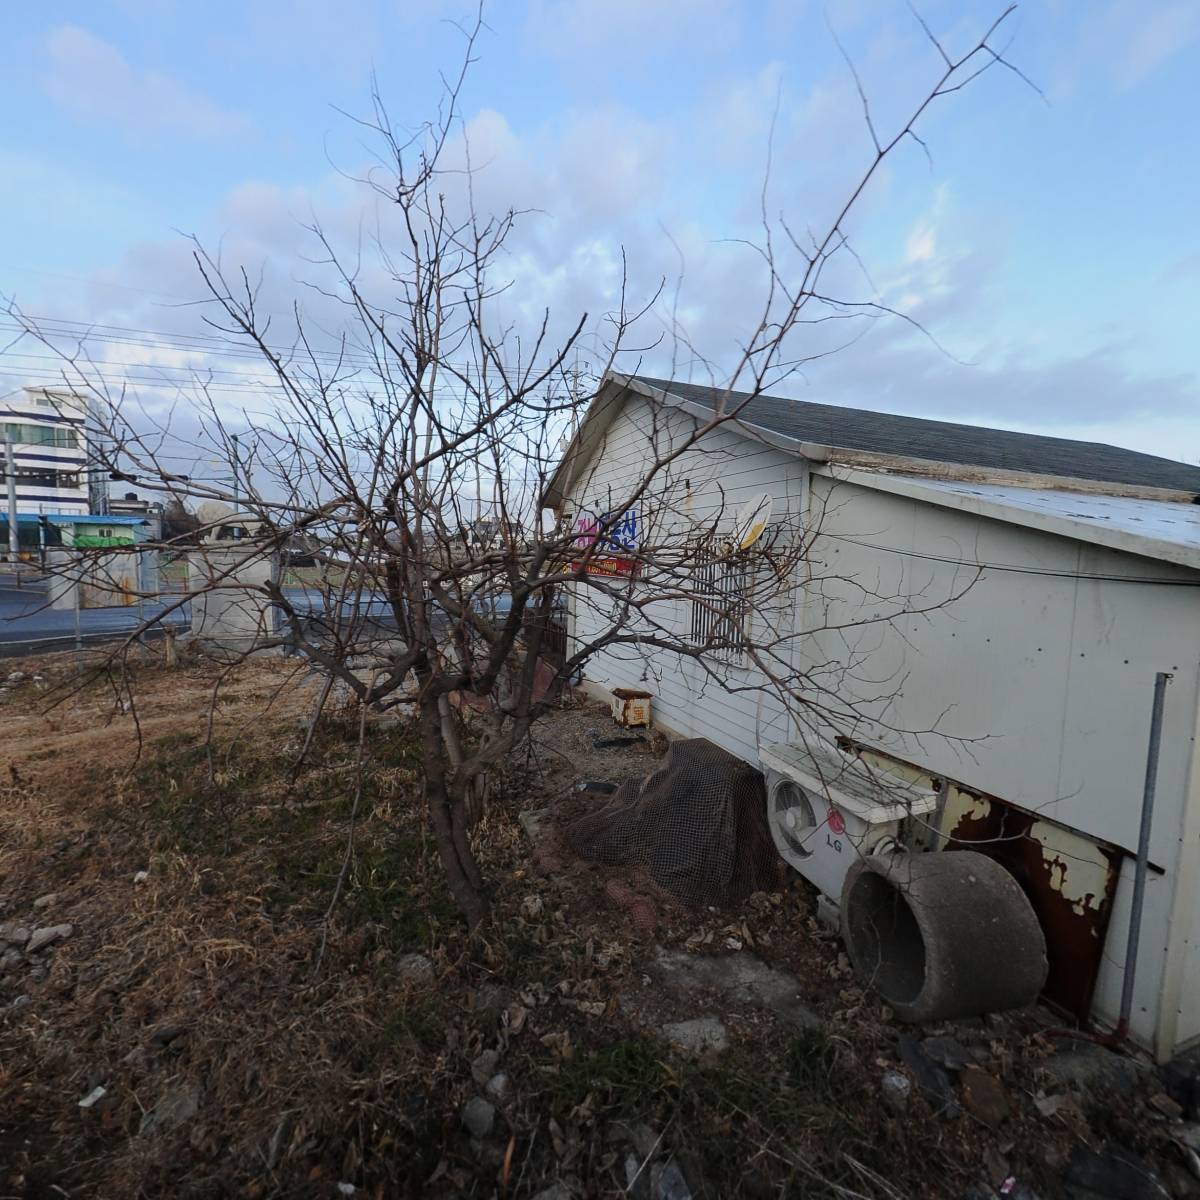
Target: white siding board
point(1031, 687)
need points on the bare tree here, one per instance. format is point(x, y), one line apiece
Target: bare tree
point(412, 461)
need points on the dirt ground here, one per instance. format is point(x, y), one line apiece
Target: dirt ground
point(254, 984)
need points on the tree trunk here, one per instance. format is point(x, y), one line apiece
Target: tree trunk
point(449, 826)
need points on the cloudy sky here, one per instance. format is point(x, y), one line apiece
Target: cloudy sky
point(1048, 243)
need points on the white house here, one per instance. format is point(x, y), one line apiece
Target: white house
point(993, 609)
point(50, 450)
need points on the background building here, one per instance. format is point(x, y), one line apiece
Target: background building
point(50, 442)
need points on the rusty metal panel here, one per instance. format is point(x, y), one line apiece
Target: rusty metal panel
point(631, 706)
point(1069, 879)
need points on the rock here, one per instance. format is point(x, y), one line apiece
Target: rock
point(478, 1117)
point(743, 978)
point(639, 1135)
point(15, 677)
point(415, 968)
point(43, 937)
point(531, 821)
point(12, 957)
point(1052, 1106)
point(995, 1165)
point(895, 1091)
point(700, 1036)
point(1163, 1104)
point(46, 900)
point(484, 1066)
point(1188, 1135)
point(166, 1035)
point(1113, 1174)
point(667, 1183)
point(499, 1088)
point(1181, 1078)
point(948, 1052)
point(174, 1109)
point(556, 1191)
point(1181, 1183)
point(1088, 1067)
point(984, 1097)
point(13, 934)
point(931, 1079)
point(637, 1177)
point(15, 1006)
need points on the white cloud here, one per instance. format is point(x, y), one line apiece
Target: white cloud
point(631, 28)
point(91, 78)
point(1157, 34)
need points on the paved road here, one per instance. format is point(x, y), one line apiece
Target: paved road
point(29, 626)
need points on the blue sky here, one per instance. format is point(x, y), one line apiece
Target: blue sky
point(1051, 247)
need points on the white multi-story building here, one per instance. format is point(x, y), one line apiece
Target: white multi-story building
point(50, 450)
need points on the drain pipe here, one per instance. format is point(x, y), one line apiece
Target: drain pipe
point(1121, 1031)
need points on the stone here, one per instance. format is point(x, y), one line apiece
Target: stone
point(499, 1088)
point(637, 1134)
point(531, 821)
point(985, 1097)
point(15, 677)
point(948, 1052)
point(1112, 1174)
point(484, 1066)
point(743, 978)
point(1188, 1135)
point(11, 957)
point(667, 1183)
point(637, 1177)
point(1181, 1183)
point(46, 900)
point(1051, 1106)
point(895, 1092)
point(556, 1191)
point(415, 968)
point(175, 1108)
point(20, 1002)
point(48, 934)
point(13, 934)
point(697, 1037)
point(930, 1078)
point(1089, 1067)
point(478, 1117)
point(1164, 1105)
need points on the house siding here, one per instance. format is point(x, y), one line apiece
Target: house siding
point(1031, 684)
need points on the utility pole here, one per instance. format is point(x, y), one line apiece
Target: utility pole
point(10, 473)
point(235, 471)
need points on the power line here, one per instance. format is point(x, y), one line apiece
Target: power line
point(134, 335)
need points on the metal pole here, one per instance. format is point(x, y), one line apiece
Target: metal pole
point(1143, 854)
point(78, 589)
point(235, 470)
point(10, 473)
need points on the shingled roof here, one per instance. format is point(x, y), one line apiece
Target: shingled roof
point(942, 441)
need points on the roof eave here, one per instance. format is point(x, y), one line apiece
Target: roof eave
point(1178, 553)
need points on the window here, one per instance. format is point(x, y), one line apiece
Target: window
point(40, 435)
point(720, 604)
point(47, 478)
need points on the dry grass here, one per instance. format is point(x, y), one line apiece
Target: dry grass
point(311, 1067)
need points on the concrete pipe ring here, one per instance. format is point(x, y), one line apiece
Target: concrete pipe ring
point(942, 935)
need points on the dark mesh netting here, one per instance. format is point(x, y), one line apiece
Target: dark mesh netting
point(697, 825)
